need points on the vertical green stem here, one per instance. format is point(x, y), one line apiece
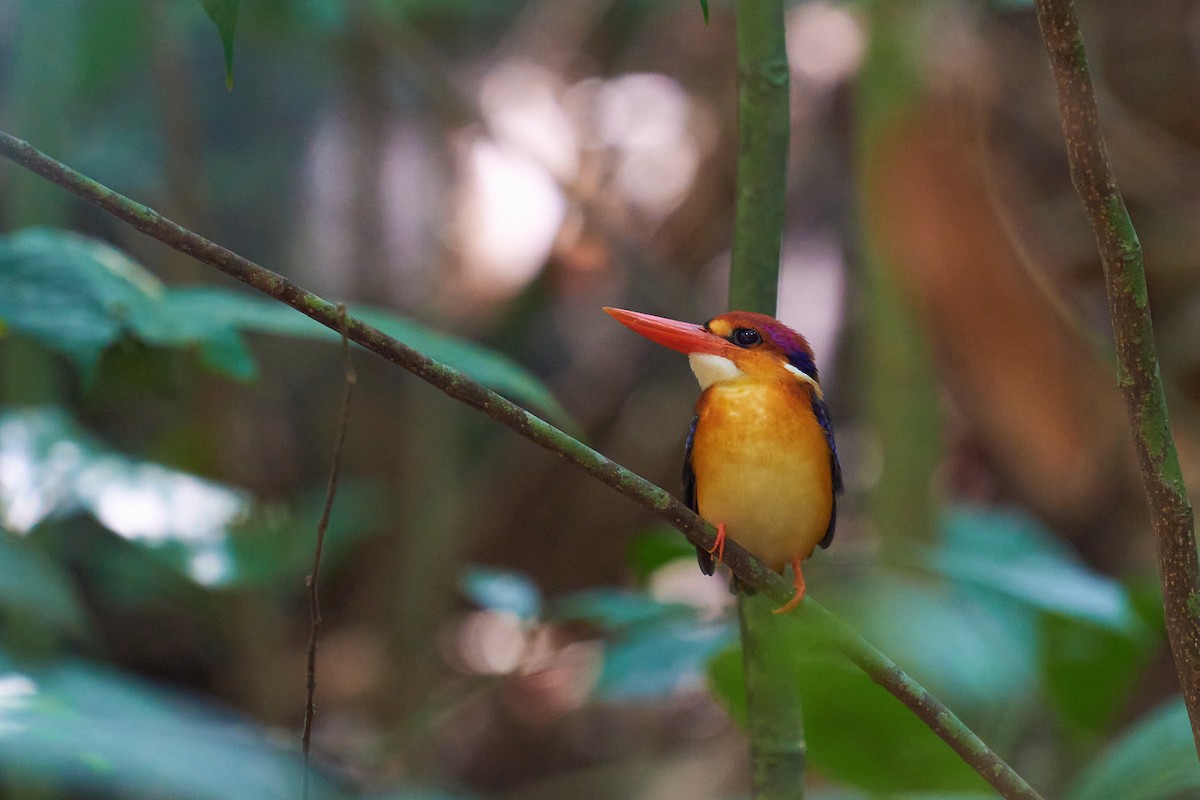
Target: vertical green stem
point(776, 728)
point(36, 88)
point(434, 546)
point(762, 155)
point(778, 752)
point(899, 384)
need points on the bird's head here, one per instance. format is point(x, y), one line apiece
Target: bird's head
point(734, 346)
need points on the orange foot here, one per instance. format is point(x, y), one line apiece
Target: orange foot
point(718, 548)
point(799, 595)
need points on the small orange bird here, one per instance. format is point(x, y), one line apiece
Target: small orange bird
point(760, 460)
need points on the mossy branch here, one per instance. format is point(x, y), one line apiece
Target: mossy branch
point(1137, 363)
point(454, 383)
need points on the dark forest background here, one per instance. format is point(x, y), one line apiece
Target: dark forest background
point(481, 178)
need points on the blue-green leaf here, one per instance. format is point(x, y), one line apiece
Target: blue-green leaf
point(224, 14)
point(77, 296)
point(418, 794)
point(74, 295)
point(502, 590)
point(1090, 638)
point(651, 649)
point(617, 608)
point(93, 732)
point(492, 369)
point(65, 470)
point(656, 660)
point(246, 312)
point(1010, 553)
point(1156, 760)
point(212, 533)
point(975, 653)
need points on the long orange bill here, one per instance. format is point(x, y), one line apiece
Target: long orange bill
point(686, 337)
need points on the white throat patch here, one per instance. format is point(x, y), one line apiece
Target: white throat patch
point(710, 369)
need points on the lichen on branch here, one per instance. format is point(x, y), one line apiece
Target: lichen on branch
point(1138, 374)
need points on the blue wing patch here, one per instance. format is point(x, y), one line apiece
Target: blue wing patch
point(821, 412)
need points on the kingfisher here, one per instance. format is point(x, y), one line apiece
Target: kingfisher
point(760, 460)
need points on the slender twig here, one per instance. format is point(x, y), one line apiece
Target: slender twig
point(310, 581)
point(454, 383)
point(1137, 364)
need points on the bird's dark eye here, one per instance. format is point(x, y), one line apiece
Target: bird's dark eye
point(745, 337)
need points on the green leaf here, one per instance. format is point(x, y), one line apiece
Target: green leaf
point(177, 322)
point(704, 8)
point(856, 732)
point(35, 589)
point(987, 642)
point(1009, 613)
point(977, 657)
point(654, 548)
point(843, 793)
point(273, 544)
point(224, 14)
point(1089, 671)
point(94, 732)
point(977, 654)
point(727, 681)
point(1156, 760)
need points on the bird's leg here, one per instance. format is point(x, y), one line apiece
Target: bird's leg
point(718, 548)
point(799, 595)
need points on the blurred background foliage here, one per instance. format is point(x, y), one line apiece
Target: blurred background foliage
point(478, 179)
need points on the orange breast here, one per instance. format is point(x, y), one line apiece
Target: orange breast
point(762, 467)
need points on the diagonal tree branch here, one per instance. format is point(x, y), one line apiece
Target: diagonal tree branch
point(1137, 364)
point(454, 383)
